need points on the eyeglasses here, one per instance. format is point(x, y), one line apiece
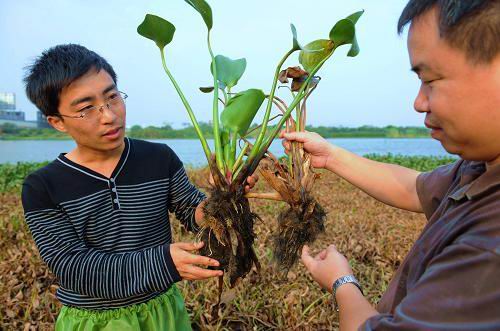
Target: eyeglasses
point(113, 102)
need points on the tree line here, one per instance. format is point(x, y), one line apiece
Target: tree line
point(166, 131)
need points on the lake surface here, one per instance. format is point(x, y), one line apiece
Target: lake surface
point(191, 153)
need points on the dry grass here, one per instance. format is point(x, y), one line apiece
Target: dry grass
point(373, 236)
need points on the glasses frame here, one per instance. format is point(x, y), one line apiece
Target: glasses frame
point(123, 96)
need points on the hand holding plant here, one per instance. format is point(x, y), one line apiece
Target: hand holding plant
point(187, 263)
point(319, 149)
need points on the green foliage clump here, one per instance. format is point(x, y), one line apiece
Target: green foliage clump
point(419, 163)
point(12, 175)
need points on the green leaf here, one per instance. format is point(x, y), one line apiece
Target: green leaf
point(229, 71)
point(355, 47)
point(344, 32)
point(204, 9)
point(354, 51)
point(241, 110)
point(296, 45)
point(355, 17)
point(157, 29)
point(314, 52)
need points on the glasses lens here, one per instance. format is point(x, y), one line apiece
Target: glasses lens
point(90, 113)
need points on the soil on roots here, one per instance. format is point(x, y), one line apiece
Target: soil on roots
point(228, 232)
point(296, 228)
point(304, 219)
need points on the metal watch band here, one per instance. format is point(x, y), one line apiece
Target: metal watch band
point(341, 281)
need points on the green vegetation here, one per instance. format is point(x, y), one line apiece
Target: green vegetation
point(420, 163)
point(12, 132)
point(12, 175)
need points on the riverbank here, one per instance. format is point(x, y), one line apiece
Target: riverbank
point(373, 236)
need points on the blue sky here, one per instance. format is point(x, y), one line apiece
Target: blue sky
point(375, 88)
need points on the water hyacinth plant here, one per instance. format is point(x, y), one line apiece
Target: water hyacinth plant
point(228, 225)
point(293, 179)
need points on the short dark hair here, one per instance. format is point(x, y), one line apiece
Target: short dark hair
point(472, 26)
point(55, 69)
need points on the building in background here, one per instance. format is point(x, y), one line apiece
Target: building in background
point(9, 113)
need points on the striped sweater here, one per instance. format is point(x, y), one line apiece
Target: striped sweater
point(107, 239)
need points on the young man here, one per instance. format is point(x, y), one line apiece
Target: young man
point(450, 279)
point(99, 214)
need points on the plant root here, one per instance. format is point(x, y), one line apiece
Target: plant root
point(303, 221)
point(296, 228)
point(228, 231)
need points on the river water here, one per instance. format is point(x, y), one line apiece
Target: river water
point(191, 153)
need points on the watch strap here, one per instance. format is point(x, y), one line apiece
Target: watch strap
point(341, 281)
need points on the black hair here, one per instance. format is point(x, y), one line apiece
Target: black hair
point(472, 26)
point(57, 68)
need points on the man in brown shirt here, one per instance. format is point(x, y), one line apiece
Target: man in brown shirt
point(450, 279)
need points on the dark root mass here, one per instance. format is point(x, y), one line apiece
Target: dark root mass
point(228, 232)
point(296, 228)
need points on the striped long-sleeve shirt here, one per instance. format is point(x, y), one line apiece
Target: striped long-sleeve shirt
point(107, 239)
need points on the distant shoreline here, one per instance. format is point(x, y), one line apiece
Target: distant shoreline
point(196, 139)
point(10, 132)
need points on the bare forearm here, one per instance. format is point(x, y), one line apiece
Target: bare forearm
point(388, 183)
point(354, 308)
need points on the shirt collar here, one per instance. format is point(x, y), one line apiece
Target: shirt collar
point(476, 180)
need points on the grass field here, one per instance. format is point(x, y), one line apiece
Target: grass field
point(374, 237)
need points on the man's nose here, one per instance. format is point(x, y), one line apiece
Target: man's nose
point(421, 103)
point(107, 114)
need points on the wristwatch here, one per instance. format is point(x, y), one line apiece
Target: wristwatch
point(341, 281)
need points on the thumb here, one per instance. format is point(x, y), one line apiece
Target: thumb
point(189, 246)
point(306, 257)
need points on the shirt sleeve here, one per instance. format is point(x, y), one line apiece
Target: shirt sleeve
point(184, 197)
point(432, 186)
point(86, 270)
point(460, 290)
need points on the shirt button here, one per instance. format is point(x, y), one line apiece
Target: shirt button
point(113, 189)
point(115, 200)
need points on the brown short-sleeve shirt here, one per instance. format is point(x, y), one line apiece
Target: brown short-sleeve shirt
point(450, 279)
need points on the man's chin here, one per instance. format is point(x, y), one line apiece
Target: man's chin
point(450, 147)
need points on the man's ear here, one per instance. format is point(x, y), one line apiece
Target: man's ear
point(57, 123)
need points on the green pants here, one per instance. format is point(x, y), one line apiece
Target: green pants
point(165, 312)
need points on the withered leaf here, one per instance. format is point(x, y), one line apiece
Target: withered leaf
point(297, 74)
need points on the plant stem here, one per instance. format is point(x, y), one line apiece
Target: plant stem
point(215, 112)
point(268, 196)
point(196, 126)
point(232, 155)
point(297, 117)
point(257, 154)
point(258, 127)
point(225, 96)
point(262, 133)
point(239, 160)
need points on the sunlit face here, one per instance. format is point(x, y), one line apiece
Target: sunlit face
point(101, 130)
point(460, 100)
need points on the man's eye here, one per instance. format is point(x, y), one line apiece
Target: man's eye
point(113, 96)
point(86, 108)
